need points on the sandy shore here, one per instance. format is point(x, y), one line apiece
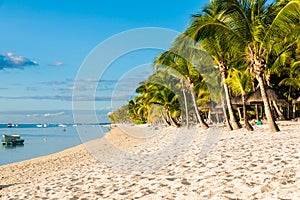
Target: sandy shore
point(169, 163)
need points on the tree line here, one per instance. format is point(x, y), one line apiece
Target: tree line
point(230, 48)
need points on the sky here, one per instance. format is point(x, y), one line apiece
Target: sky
point(50, 48)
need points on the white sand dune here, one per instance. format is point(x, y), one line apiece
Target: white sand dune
point(171, 164)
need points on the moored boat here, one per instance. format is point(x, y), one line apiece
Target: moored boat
point(12, 139)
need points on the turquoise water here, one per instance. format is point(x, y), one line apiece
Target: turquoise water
point(45, 141)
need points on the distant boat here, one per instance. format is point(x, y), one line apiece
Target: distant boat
point(9, 125)
point(62, 125)
point(41, 125)
point(12, 140)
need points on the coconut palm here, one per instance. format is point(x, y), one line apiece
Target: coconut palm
point(154, 92)
point(169, 101)
point(240, 83)
point(293, 82)
point(181, 67)
point(217, 47)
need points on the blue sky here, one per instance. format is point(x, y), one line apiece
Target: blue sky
point(44, 43)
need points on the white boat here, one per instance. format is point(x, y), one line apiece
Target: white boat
point(62, 125)
point(41, 125)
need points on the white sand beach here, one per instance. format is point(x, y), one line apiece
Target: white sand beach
point(210, 164)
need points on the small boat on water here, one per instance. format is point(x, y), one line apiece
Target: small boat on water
point(12, 139)
point(41, 125)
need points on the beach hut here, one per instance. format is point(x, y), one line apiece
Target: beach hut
point(296, 101)
point(238, 104)
point(207, 108)
point(275, 100)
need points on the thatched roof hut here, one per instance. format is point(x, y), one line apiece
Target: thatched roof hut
point(237, 100)
point(255, 97)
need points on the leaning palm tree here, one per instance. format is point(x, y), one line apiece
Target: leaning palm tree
point(240, 83)
point(155, 91)
point(257, 28)
point(169, 101)
point(217, 47)
point(182, 68)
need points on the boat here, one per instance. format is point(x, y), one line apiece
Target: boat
point(12, 140)
point(41, 125)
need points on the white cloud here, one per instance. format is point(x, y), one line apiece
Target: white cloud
point(57, 63)
point(11, 61)
point(53, 114)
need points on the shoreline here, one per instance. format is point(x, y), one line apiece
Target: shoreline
point(241, 165)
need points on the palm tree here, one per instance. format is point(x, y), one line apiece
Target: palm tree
point(181, 67)
point(154, 91)
point(240, 83)
point(218, 48)
point(292, 81)
point(257, 28)
point(168, 100)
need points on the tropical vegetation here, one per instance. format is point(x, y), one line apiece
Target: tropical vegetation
point(230, 49)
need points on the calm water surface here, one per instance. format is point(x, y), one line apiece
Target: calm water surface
point(45, 141)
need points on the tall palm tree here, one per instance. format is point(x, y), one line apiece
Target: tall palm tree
point(217, 47)
point(240, 83)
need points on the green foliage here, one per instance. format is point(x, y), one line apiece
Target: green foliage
point(120, 115)
point(239, 81)
point(139, 122)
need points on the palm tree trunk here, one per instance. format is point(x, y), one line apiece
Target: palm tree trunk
point(247, 125)
point(234, 123)
point(185, 104)
point(172, 121)
point(272, 125)
point(294, 111)
point(165, 118)
point(289, 98)
point(200, 119)
point(278, 111)
point(226, 116)
point(239, 112)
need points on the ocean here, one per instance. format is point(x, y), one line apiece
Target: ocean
point(42, 141)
